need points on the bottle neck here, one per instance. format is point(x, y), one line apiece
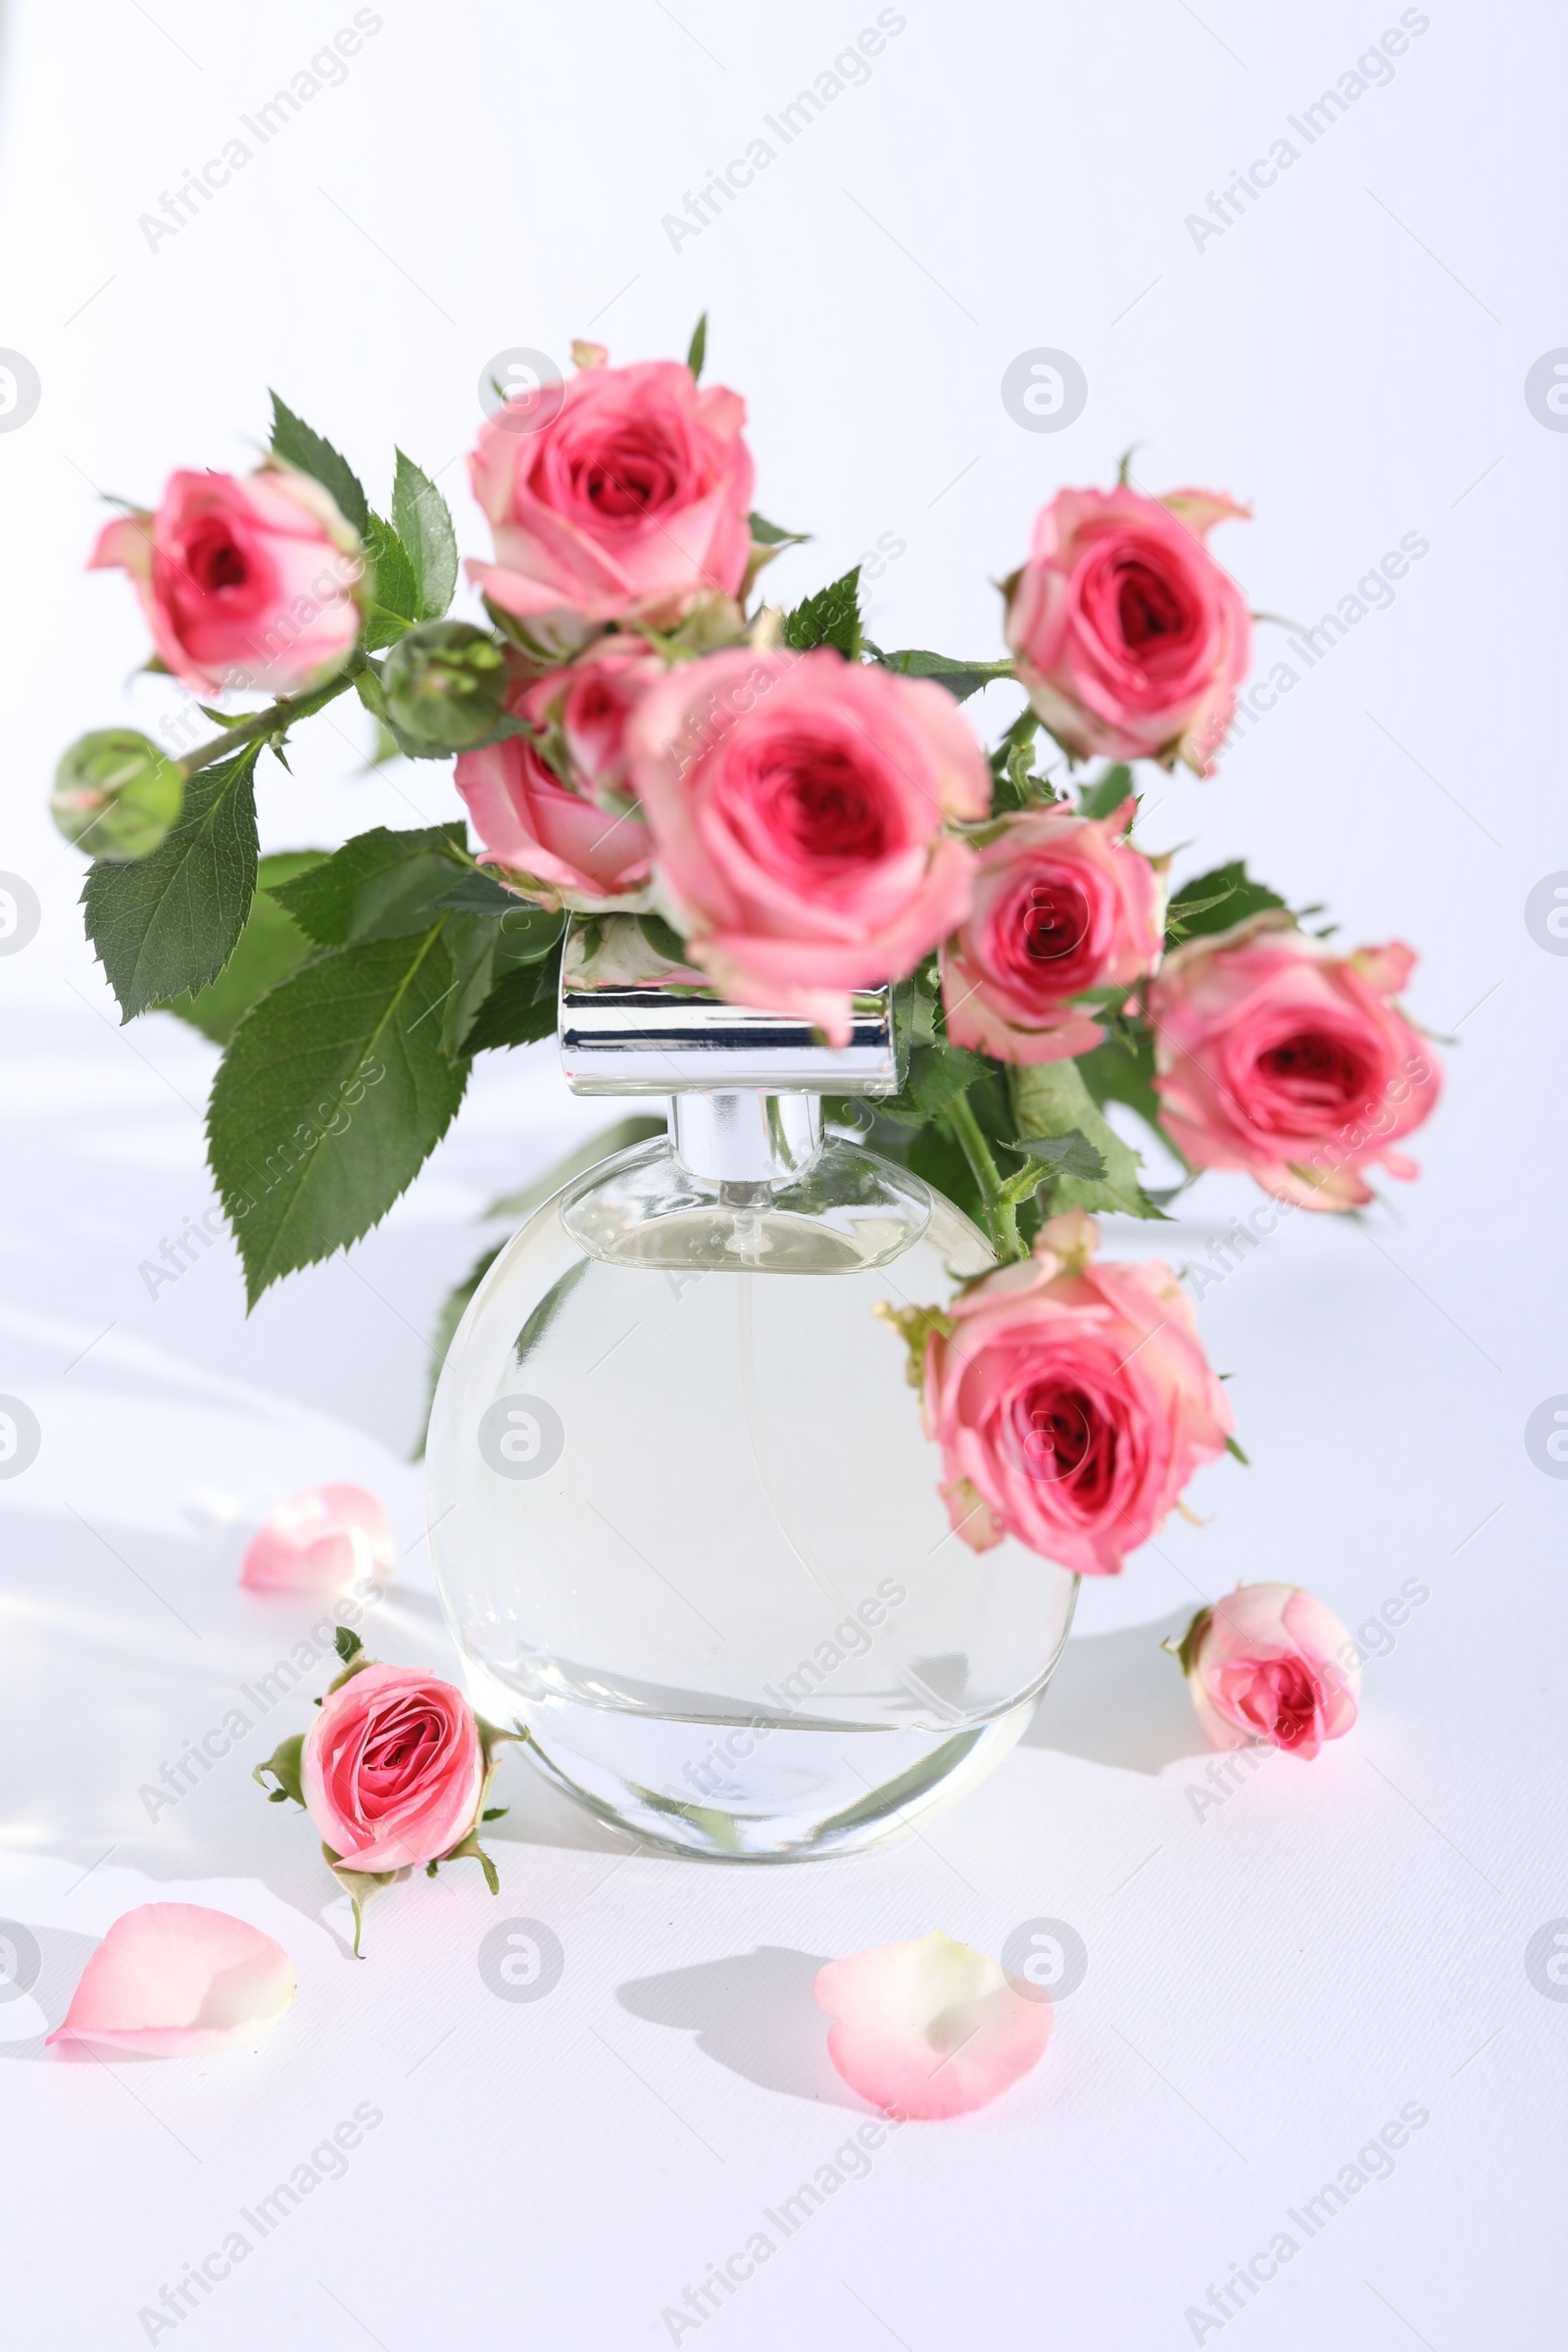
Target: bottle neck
point(746, 1138)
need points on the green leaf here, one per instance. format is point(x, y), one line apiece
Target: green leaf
point(394, 607)
point(1069, 1155)
point(697, 352)
point(332, 1096)
point(495, 1812)
point(1122, 1070)
point(294, 442)
point(284, 1766)
point(662, 938)
point(381, 885)
point(424, 527)
point(938, 1074)
point(832, 616)
point(166, 926)
point(483, 950)
point(960, 678)
point(271, 946)
point(768, 534)
point(346, 1643)
point(1106, 793)
point(1232, 1448)
point(1215, 902)
point(480, 893)
point(520, 1008)
point(1050, 1099)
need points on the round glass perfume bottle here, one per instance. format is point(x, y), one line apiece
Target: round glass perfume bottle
point(686, 1523)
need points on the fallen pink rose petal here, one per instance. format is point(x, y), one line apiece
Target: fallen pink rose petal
point(324, 1541)
point(177, 1980)
point(930, 2028)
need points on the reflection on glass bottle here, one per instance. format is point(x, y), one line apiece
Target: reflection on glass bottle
point(686, 1521)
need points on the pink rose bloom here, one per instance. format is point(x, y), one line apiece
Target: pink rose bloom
point(248, 586)
point(1277, 1055)
point(582, 712)
point(630, 499)
point(1129, 637)
point(392, 1769)
point(798, 803)
point(1061, 905)
point(178, 1980)
point(579, 842)
point(1073, 1403)
point(1271, 1664)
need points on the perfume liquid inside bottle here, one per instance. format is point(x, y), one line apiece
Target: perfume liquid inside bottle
point(686, 1523)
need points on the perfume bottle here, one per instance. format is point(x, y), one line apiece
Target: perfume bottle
point(686, 1523)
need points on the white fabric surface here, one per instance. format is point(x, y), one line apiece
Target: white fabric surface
point(1271, 1979)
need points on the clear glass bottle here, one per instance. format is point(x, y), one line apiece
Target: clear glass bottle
point(686, 1523)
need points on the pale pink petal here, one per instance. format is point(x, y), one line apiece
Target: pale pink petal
point(324, 1541)
point(177, 1980)
point(930, 2028)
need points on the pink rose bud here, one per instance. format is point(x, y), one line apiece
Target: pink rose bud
point(1127, 635)
point(630, 499)
point(325, 1541)
point(1275, 1055)
point(177, 1980)
point(1072, 1401)
point(930, 2029)
point(393, 1769)
point(797, 803)
point(1271, 1664)
point(555, 812)
point(1061, 905)
point(248, 586)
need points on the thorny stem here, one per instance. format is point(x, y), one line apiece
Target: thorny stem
point(275, 721)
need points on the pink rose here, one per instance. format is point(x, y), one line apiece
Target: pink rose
point(582, 712)
point(563, 826)
point(1129, 637)
point(1277, 1055)
point(798, 803)
point(248, 586)
point(392, 1769)
point(1073, 1403)
point(1271, 1664)
point(630, 499)
point(1061, 905)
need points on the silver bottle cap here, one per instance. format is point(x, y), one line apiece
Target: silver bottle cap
point(625, 1029)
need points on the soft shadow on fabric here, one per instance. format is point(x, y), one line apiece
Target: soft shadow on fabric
point(753, 2013)
point(1119, 1698)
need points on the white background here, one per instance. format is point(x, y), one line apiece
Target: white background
point(1270, 1978)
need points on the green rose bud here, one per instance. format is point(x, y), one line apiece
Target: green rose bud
point(116, 796)
point(445, 686)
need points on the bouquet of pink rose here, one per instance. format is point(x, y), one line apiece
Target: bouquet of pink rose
point(759, 800)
